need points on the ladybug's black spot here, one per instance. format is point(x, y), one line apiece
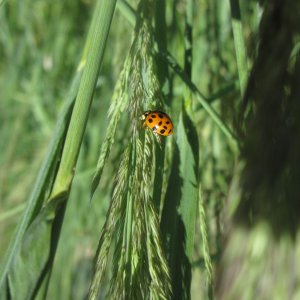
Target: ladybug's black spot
point(154, 128)
point(162, 131)
point(160, 115)
point(159, 124)
point(167, 122)
point(150, 120)
point(153, 116)
point(165, 127)
point(170, 131)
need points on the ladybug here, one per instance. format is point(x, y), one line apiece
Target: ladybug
point(158, 121)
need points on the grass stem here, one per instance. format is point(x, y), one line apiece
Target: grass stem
point(240, 50)
point(96, 44)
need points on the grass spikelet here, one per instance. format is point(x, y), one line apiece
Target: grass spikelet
point(160, 287)
point(118, 104)
point(143, 80)
point(139, 268)
point(113, 217)
point(204, 235)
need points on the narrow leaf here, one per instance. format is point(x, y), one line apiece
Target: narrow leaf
point(179, 214)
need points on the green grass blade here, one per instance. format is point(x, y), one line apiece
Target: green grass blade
point(163, 77)
point(96, 44)
point(203, 100)
point(10, 213)
point(127, 10)
point(33, 260)
point(240, 50)
point(179, 215)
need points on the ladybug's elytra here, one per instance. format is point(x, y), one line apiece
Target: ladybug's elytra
point(158, 121)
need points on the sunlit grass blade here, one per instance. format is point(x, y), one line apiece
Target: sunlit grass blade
point(179, 215)
point(95, 50)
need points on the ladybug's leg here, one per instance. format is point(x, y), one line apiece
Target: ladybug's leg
point(154, 128)
point(158, 139)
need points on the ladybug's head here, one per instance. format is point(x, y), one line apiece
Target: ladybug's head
point(145, 114)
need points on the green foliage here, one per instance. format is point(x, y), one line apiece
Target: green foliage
point(135, 240)
point(24, 237)
point(174, 217)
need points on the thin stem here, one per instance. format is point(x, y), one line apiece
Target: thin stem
point(200, 97)
point(95, 51)
point(188, 38)
point(188, 46)
point(241, 56)
point(10, 213)
point(205, 245)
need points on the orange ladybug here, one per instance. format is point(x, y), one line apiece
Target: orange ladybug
point(158, 121)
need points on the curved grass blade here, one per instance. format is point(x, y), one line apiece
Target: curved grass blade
point(179, 214)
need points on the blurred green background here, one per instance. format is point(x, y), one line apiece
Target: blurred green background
point(40, 47)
